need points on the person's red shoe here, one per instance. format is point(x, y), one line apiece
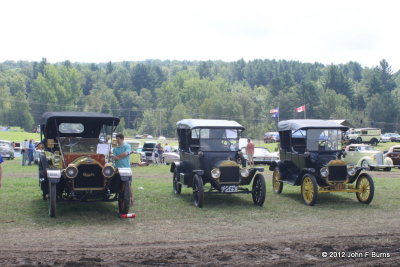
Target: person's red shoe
point(128, 215)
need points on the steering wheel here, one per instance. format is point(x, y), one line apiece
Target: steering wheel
point(326, 144)
point(70, 144)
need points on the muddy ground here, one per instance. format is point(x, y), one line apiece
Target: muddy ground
point(357, 250)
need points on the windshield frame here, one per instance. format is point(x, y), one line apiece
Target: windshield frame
point(217, 139)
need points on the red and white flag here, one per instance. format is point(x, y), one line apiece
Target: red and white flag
point(301, 109)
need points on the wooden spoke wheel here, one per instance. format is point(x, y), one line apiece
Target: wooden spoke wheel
point(259, 190)
point(367, 189)
point(175, 184)
point(277, 185)
point(124, 197)
point(309, 189)
point(198, 191)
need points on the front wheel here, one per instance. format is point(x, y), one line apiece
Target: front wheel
point(365, 165)
point(175, 183)
point(259, 190)
point(52, 199)
point(309, 189)
point(388, 169)
point(277, 185)
point(124, 197)
point(366, 188)
point(198, 191)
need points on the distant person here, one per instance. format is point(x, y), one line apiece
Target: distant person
point(31, 149)
point(250, 151)
point(1, 169)
point(160, 151)
point(167, 148)
point(121, 157)
point(24, 151)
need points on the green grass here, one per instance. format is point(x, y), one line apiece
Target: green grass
point(19, 136)
point(21, 205)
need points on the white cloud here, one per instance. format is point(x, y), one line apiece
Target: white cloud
point(98, 31)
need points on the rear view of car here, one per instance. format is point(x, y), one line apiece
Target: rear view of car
point(6, 149)
point(271, 137)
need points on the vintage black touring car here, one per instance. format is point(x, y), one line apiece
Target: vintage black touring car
point(209, 154)
point(310, 156)
point(76, 165)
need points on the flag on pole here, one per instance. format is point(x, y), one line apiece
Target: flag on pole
point(274, 110)
point(301, 109)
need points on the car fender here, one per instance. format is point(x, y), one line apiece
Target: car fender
point(388, 161)
point(367, 158)
point(273, 165)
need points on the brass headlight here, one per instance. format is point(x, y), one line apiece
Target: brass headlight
point(244, 172)
point(56, 159)
point(324, 172)
point(215, 173)
point(71, 171)
point(351, 171)
point(108, 171)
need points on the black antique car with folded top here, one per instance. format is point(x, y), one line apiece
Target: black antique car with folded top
point(76, 164)
point(211, 162)
point(311, 155)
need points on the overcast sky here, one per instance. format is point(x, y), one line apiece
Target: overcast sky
point(100, 31)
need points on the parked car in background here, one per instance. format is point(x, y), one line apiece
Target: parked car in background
point(262, 155)
point(366, 156)
point(137, 155)
point(364, 135)
point(148, 149)
point(6, 149)
point(162, 138)
point(390, 137)
point(271, 137)
point(394, 154)
point(170, 157)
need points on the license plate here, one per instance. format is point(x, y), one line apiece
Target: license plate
point(229, 188)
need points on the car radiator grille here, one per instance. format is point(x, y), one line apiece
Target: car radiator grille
point(337, 173)
point(89, 176)
point(229, 174)
point(379, 159)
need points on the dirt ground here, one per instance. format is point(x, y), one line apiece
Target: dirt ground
point(356, 250)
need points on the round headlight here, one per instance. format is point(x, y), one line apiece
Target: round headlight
point(108, 171)
point(56, 159)
point(215, 173)
point(244, 172)
point(324, 172)
point(351, 171)
point(71, 172)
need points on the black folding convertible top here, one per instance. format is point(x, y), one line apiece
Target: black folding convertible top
point(92, 122)
point(294, 125)
point(199, 123)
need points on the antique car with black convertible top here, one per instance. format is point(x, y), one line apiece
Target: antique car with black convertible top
point(311, 157)
point(211, 162)
point(76, 165)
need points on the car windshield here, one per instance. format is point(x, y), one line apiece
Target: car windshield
point(324, 139)
point(79, 145)
point(217, 139)
point(366, 148)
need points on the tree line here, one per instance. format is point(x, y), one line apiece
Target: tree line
point(151, 96)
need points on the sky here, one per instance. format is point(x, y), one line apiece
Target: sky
point(325, 31)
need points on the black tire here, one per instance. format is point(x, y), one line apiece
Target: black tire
point(177, 187)
point(259, 191)
point(359, 140)
point(277, 186)
point(366, 184)
point(388, 169)
point(124, 198)
point(374, 142)
point(309, 189)
point(198, 191)
point(52, 199)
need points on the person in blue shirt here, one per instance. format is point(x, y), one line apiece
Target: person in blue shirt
point(31, 149)
point(121, 156)
point(1, 169)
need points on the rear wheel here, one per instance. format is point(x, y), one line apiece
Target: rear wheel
point(309, 189)
point(52, 199)
point(388, 169)
point(359, 140)
point(198, 191)
point(124, 198)
point(374, 142)
point(175, 184)
point(277, 185)
point(259, 190)
point(367, 189)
